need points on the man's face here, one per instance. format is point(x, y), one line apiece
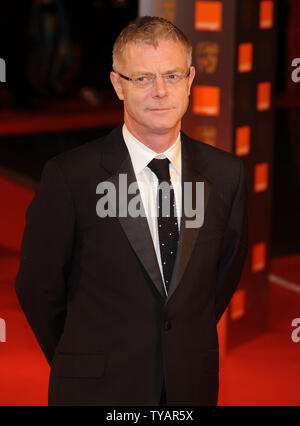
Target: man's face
point(157, 109)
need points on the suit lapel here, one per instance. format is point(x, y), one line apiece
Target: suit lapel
point(116, 159)
point(191, 163)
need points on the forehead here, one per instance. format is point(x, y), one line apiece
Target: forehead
point(167, 55)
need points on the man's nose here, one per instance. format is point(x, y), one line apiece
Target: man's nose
point(159, 87)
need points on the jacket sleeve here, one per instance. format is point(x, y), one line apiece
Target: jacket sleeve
point(46, 253)
point(234, 247)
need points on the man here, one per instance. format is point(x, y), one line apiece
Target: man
point(125, 306)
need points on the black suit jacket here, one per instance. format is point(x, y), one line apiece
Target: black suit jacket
point(92, 291)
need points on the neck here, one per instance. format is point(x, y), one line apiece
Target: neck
point(157, 141)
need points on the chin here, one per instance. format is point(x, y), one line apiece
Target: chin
point(162, 125)
point(161, 129)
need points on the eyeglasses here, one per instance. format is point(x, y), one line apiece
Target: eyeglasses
point(147, 80)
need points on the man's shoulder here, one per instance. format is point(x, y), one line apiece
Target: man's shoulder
point(224, 170)
point(87, 152)
point(215, 158)
point(86, 156)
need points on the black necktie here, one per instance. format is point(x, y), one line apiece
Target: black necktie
point(167, 220)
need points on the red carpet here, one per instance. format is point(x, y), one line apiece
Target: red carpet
point(264, 371)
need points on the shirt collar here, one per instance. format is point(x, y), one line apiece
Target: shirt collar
point(141, 155)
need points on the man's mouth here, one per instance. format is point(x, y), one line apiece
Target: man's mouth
point(160, 109)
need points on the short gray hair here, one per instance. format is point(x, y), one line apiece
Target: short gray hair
point(150, 30)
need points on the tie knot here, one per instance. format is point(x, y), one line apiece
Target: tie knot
point(161, 169)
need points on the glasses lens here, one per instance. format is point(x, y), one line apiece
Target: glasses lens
point(147, 80)
point(173, 78)
point(143, 80)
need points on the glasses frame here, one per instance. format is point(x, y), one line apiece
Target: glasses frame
point(187, 74)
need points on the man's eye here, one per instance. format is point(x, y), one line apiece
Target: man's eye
point(172, 76)
point(142, 79)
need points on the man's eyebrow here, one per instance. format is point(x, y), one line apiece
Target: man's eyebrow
point(171, 71)
point(142, 73)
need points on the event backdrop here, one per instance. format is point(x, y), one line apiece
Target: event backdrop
point(232, 108)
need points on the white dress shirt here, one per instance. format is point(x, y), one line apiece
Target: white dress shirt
point(147, 181)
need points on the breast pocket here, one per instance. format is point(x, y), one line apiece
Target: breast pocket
point(208, 238)
point(78, 379)
point(208, 248)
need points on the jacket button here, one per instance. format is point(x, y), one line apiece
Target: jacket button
point(168, 325)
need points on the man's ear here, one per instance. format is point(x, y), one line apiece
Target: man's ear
point(191, 78)
point(115, 81)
